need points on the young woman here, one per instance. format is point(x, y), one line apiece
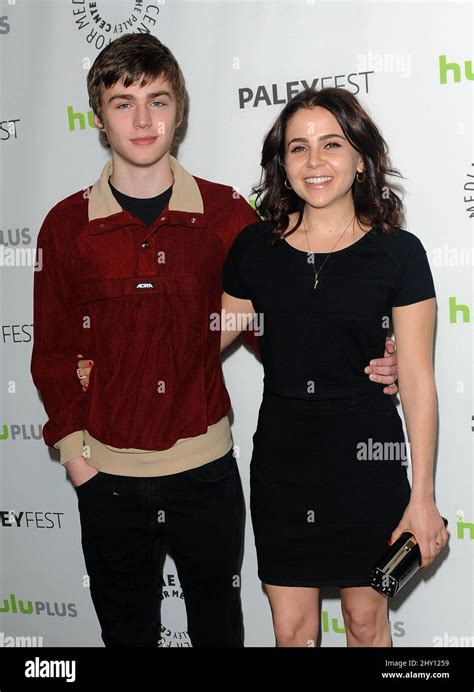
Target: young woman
point(329, 270)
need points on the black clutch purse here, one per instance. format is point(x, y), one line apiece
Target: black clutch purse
point(397, 565)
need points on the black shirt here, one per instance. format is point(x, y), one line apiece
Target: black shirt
point(317, 342)
point(146, 209)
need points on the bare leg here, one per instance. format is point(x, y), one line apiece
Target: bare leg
point(295, 611)
point(365, 617)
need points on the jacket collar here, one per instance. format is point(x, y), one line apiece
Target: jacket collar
point(185, 197)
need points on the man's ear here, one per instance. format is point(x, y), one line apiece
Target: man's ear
point(178, 123)
point(98, 123)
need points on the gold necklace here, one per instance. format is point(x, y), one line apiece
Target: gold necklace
point(316, 273)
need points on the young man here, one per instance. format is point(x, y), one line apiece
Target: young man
point(131, 275)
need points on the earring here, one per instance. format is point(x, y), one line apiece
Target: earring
point(288, 187)
point(360, 180)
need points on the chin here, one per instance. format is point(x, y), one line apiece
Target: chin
point(145, 158)
point(317, 200)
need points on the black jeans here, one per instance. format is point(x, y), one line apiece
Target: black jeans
point(126, 525)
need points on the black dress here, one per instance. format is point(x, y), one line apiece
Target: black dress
point(329, 465)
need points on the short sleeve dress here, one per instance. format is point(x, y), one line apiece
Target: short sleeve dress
point(329, 465)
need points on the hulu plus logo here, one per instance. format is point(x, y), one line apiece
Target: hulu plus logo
point(19, 606)
point(453, 70)
point(21, 432)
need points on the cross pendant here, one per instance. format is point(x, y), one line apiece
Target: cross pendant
point(316, 281)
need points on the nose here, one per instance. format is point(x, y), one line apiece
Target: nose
point(142, 117)
point(314, 158)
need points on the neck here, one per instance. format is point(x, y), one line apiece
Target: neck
point(328, 222)
point(141, 181)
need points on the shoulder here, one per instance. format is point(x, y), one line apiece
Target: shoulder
point(211, 190)
point(220, 197)
point(253, 236)
point(74, 202)
point(226, 210)
point(67, 215)
point(400, 244)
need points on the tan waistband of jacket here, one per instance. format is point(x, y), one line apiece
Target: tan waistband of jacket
point(185, 454)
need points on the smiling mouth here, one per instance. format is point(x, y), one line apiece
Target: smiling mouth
point(319, 180)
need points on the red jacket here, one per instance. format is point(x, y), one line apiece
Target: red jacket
point(137, 300)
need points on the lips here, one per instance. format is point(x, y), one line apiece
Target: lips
point(143, 140)
point(318, 182)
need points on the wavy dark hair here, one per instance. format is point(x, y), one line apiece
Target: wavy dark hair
point(375, 199)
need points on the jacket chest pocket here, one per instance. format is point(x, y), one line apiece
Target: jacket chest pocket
point(175, 305)
point(140, 286)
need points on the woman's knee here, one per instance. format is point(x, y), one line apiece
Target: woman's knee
point(295, 631)
point(295, 612)
point(365, 623)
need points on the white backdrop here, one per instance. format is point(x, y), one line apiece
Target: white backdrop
point(241, 60)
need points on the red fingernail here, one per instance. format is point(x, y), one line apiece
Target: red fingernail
point(91, 362)
point(389, 541)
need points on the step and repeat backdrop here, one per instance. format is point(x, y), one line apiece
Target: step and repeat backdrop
point(411, 65)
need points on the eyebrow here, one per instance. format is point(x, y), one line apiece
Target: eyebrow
point(320, 138)
point(130, 97)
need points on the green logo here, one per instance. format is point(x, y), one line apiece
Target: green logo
point(11, 605)
point(454, 308)
point(76, 117)
point(463, 526)
point(455, 69)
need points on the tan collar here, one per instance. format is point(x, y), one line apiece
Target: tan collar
point(185, 196)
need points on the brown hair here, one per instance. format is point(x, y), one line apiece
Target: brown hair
point(134, 57)
point(375, 199)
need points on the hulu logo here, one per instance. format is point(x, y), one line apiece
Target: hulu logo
point(463, 526)
point(332, 626)
point(79, 119)
point(455, 69)
point(11, 605)
point(454, 308)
